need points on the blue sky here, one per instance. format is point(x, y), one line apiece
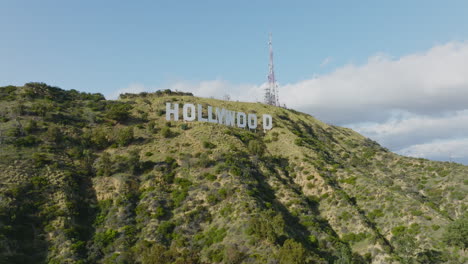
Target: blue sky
point(104, 45)
point(221, 47)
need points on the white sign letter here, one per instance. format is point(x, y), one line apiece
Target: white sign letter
point(252, 121)
point(220, 115)
point(230, 118)
point(210, 115)
point(242, 123)
point(200, 114)
point(192, 112)
point(267, 122)
point(170, 111)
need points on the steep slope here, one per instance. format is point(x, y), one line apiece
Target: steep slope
point(87, 180)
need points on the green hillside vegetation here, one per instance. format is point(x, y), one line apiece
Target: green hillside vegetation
point(90, 180)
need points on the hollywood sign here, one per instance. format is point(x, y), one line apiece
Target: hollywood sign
point(219, 116)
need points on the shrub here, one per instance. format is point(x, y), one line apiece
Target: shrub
point(26, 141)
point(256, 147)
point(184, 126)
point(129, 232)
point(313, 200)
point(7, 93)
point(416, 212)
point(159, 212)
point(291, 252)
point(178, 196)
point(166, 132)
point(352, 237)
point(227, 210)
point(53, 134)
point(274, 136)
point(212, 199)
point(104, 165)
point(184, 183)
point(350, 180)
point(156, 254)
point(171, 163)
point(125, 136)
point(215, 255)
point(414, 229)
point(266, 226)
point(456, 195)
point(208, 145)
point(232, 254)
point(118, 111)
point(456, 233)
point(97, 138)
point(375, 214)
point(105, 238)
point(31, 126)
point(223, 193)
point(212, 236)
point(209, 176)
point(313, 240)
point(405, 246)
point(298, 142)
point(40, 159)
point(204, 161)
point(133, 161)
point(151, 126)
point(165, 229)
point(79, 247)
point(398, 230)
point(345, 216)
point(161, 112)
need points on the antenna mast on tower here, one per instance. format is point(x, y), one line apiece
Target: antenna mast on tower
point(271, 92)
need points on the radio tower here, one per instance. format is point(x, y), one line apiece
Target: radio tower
point(271, 92)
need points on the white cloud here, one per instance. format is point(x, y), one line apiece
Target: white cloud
point(423, 83)
point(219, 88)
point(404, 129)
point(132, 88)
point(326, 61)
point(450, 150)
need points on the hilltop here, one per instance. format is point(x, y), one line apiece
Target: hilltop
point(90, 180)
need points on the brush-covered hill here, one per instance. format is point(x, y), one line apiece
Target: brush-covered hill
point(89, 180)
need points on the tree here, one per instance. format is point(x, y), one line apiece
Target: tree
point(98, 138)
point(292, 252)
point(134, 161)
point(118, 111)
point(53, 134)
point(31, 126)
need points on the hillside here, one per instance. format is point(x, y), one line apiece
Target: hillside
point(89, 180)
